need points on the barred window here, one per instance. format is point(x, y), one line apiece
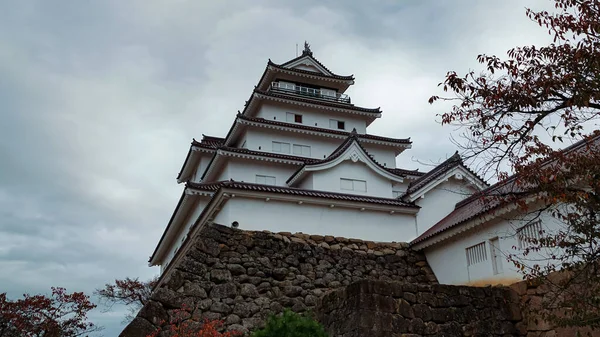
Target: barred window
point(476, 254)
point(528, 233)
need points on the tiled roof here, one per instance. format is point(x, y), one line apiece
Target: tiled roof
point(209, 142)
point(471, 207)
point(312, 58)
point(399, 171)
point(298, 192)
point(485, 201)
point(267, 154)
point(312, 73)
point(318, 102)
point(317, 129)
point(438, 171)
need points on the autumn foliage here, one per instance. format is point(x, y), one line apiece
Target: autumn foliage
point(59, 315)
point(515, 114)
point(181, 325)
point(130, 292)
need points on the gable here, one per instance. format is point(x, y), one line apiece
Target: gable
point(459, 173)
point(350, 150)
point(309, 64)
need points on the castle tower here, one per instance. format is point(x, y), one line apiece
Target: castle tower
point(297, 158)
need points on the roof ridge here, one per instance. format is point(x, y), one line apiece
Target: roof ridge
point(320, 129)
point(347, 106)
point(306, 192)
point(308, 72)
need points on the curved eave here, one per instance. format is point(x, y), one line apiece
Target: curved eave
point(222, 153)
point(241, 121)
point(186, 202)
point(191, 161)
point(251, 105)
point(274, 71)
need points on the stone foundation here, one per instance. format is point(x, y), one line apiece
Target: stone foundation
point(242, 277)
point(383, 309)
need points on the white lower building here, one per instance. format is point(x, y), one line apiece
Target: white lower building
point(473, 243)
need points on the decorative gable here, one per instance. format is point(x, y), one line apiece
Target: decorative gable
point(349, 151)
point(453, 168)
point(307, 62)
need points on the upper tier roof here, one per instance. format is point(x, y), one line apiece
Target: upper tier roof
point(402, 143)
point(304, 68)
point(231, 184)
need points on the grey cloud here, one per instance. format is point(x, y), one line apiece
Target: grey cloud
point(99, 101)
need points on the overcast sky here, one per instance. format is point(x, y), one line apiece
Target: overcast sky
point(99, 101)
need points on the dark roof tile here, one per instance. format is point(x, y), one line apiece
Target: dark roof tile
point(215, 186)
point(317, 101)
point(317, 129)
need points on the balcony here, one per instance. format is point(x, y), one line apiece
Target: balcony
point(298, 90)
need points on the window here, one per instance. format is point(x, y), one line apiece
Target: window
point(476, 254)
point(281, 147)
point(286, 85)
point(328, 92)
point(266, 180)
point(335, 124)
point(301, 150)
point(529, 233)
point(353, 185)
point(293, 118)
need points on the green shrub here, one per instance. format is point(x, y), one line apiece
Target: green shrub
point(291, 324)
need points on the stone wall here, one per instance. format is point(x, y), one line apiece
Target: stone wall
point(378, 309)
point(242, 277)
point(538, 298)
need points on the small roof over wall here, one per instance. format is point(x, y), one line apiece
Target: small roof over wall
point(451, 167)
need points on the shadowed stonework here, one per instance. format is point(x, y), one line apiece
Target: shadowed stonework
point(378, 309)
point(243, 276)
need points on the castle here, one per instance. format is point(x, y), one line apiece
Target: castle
point(299, 207)
point(298, 158)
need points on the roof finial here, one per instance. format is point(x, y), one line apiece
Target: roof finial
point(306, 50)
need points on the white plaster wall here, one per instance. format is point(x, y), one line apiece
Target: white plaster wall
point(309, 68)
point(312, 117)
point(440, 201)
point(307, 183)
point(246, 170)
point(191, 217)
point(400, 187)
point(320, 147)
point(201, 166)
point(329, 180)
point(382, 154)
point(277, 216)
point(448, 259)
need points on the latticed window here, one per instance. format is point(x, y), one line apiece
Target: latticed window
point(529, 233)
point(476, 254)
